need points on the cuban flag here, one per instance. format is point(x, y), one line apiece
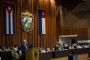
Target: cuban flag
point(41, 19)
point(8, 18)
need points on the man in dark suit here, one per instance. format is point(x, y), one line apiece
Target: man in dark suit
point(24, 47)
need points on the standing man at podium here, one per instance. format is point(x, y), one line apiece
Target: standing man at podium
point(24, 47)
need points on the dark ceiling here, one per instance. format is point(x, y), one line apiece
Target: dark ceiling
point(66, 2)
point(71, 4)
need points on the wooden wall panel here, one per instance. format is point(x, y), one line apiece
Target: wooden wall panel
point(35, 5)
point(2, 37)
point(81, 32)
point(33, 38)
point(47, 24)
point(73, 31)
point(18, 7)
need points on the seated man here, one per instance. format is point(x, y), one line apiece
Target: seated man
point(42, 50)
point(15, 48)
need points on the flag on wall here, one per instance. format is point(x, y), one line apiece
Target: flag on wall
point(41, 20)
point(8, 18)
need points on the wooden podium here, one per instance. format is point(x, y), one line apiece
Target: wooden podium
point(32, 54)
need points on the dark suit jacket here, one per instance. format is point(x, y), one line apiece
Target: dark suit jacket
point(24, 49)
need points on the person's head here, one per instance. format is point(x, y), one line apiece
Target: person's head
point(57, 42)
point(25, 41)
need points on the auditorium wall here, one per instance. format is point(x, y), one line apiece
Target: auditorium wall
point(75, 20)
point(33, 38)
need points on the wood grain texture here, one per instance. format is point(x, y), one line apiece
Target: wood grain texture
point(33, 38)
point(83, 57)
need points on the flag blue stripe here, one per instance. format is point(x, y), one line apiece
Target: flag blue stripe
point(40, 20)
point(4, 19)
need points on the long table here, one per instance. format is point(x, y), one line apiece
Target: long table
point(50, 55)
point(58, 54)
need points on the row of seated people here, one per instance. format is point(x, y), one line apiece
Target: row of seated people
point(18, 52)
point(12, 53)
point(66, 46)
point(15, 52)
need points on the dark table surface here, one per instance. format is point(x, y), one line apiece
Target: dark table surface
point(58, 54)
